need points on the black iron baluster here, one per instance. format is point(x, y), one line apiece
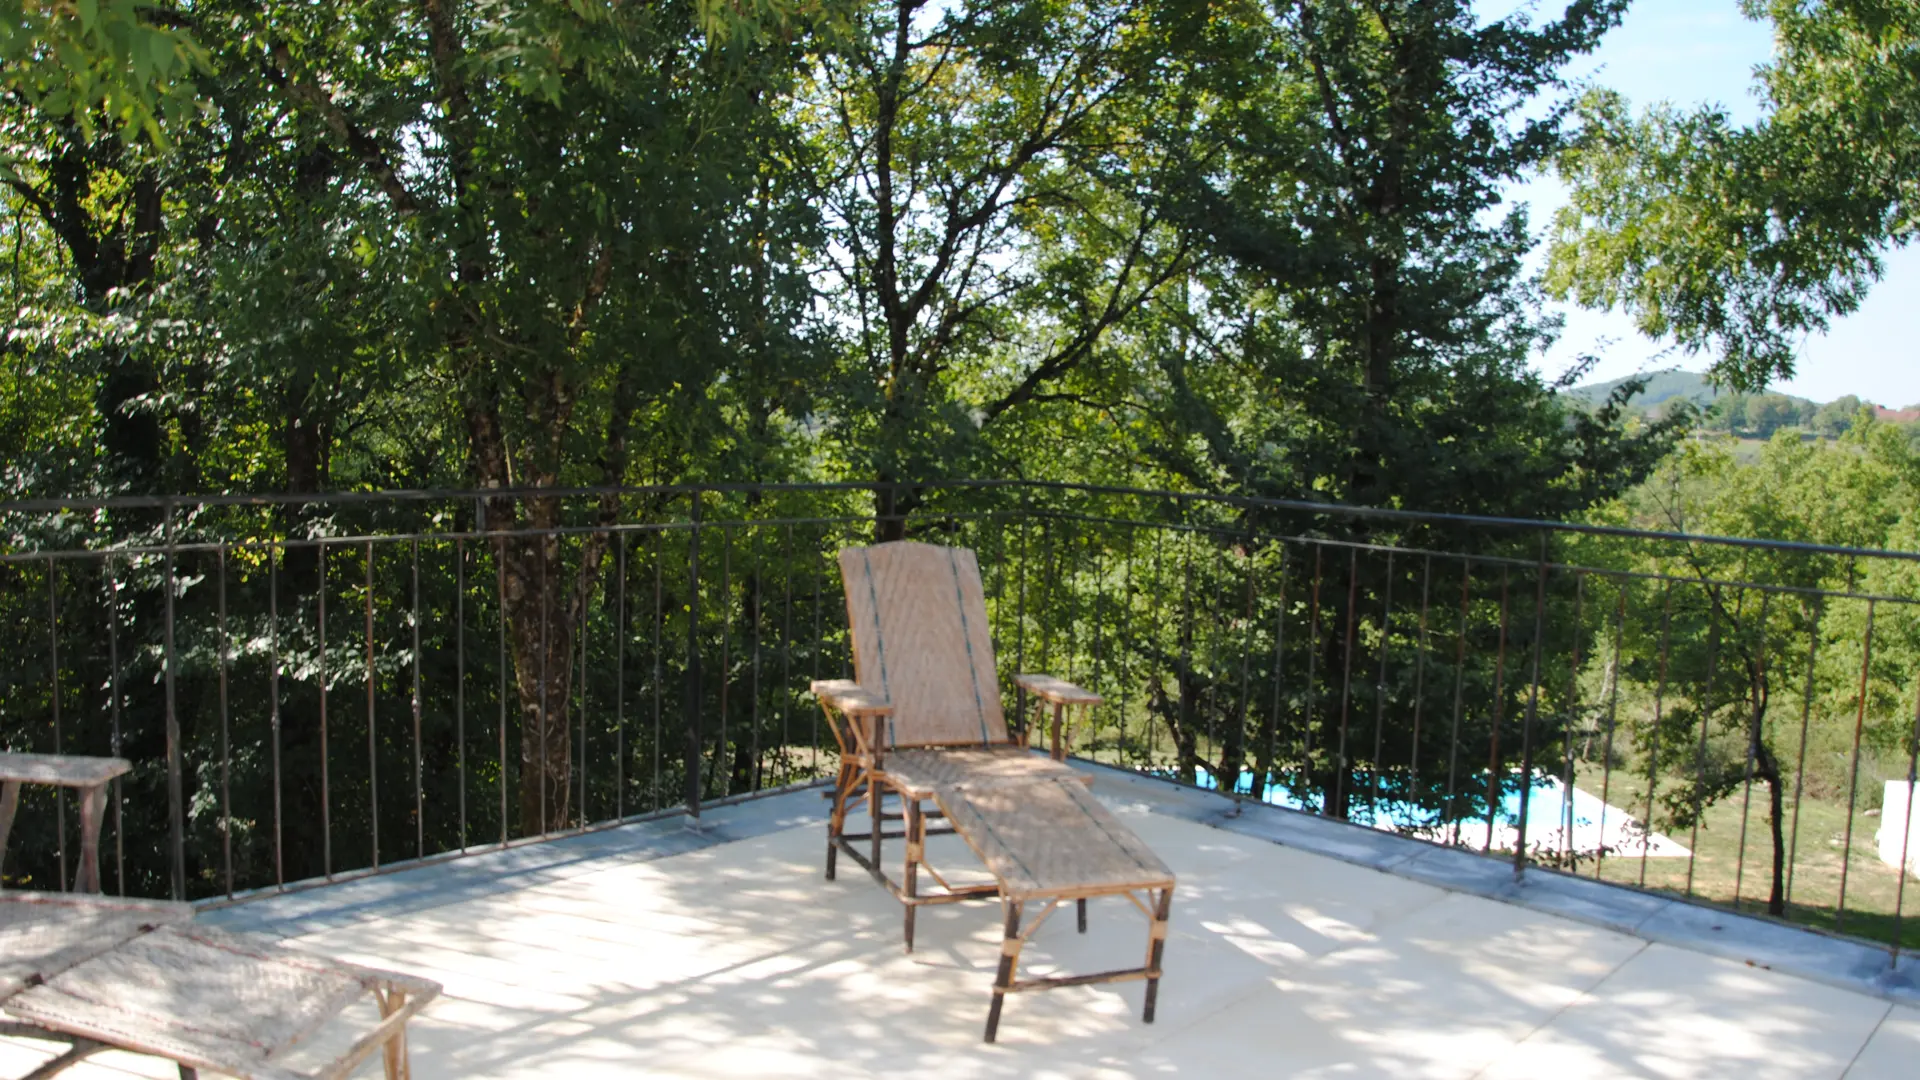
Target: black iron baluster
point(326, 791)
point(226, 737)
point(273, 707)
point(1419, 680)
point(500, 612)
point(119, 793)
point(1659, 713)
point(1499, 710)
point(693, 664)
point(659, 667)
point(1906, 836)
point(460, 677)
point(419, 793)
point(585, 636)
point(1533, 710)
point(1759, 659)
point(1706, 715)
point(818, 646)
point(176, 799)
point(1800, 763)
point(1853, 772)
point(1099, 621)
point(1246, 671)
point(1343, 764)
point(59, 740)
point(1452, 814)
point(1613, 711)
point(1380, 695)
point(723, 750)
point(373, 746)
point(620, 680)
point(1279, 657)
point(786, 660)
point(756, 771)
point(1570, 716)
point(542, 764)
point(1313, 689)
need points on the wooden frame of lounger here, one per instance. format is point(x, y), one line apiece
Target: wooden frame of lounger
point(924, 711)
point(923, 721)
point(92, 949)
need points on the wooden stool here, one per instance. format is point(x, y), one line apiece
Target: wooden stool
point(88, 775)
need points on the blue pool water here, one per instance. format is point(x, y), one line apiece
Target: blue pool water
point(1546, 804)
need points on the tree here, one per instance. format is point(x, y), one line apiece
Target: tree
point(1723, 653)
point(1737, 241)
point(1769, 413)
point(966, 151)
point(1357, 326)
point(1836, 417)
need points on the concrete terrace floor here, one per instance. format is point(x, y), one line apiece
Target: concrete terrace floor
point(657, 949)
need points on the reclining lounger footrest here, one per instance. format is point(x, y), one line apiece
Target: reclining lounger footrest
point(1050, 841)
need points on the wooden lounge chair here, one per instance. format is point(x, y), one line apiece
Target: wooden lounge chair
point(922, 721)
point(102, 973)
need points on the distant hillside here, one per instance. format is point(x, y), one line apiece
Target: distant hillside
point(1662, 386)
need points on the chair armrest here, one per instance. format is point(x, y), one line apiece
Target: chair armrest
point(851, 698)
point(1050, 689)
point(865, 710)
point(1055, 689)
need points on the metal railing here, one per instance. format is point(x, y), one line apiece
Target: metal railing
point(312, 687)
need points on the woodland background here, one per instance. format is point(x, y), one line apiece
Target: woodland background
point(1239, 249)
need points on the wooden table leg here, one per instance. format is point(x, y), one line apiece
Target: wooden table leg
point(93, 803)
point(395, 1050)
point(9, 802)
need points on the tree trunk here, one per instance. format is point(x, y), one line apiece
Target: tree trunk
point(540, 634)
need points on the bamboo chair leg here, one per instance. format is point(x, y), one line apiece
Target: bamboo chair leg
point(875, 796)
point(837, 817)
point(1080, 908)
point(1156, 948)
point(910, 877)
point(1009, 961)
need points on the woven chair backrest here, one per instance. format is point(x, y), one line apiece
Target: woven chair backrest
point(920, 636)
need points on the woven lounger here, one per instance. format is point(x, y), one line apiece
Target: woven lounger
point(924, 709)
point(117, 975)
point(923, 722)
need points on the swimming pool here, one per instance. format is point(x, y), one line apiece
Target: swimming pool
point(1596, 826)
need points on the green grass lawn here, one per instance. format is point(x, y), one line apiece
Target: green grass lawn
point(1873, 889)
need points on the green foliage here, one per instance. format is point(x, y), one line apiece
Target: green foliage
point(1738, 241)
point(471, 243)
point(117, 62)
point(1740, 654)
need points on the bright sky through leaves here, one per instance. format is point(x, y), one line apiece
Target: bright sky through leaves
point(1691, 52)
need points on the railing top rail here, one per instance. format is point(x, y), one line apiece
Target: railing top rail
point(169, 503)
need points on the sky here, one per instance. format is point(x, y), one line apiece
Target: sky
point(1691, 52)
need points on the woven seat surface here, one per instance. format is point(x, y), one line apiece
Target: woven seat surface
point(42, 934)
point(1051, 838)
point(922, 772)
point(195, 995)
